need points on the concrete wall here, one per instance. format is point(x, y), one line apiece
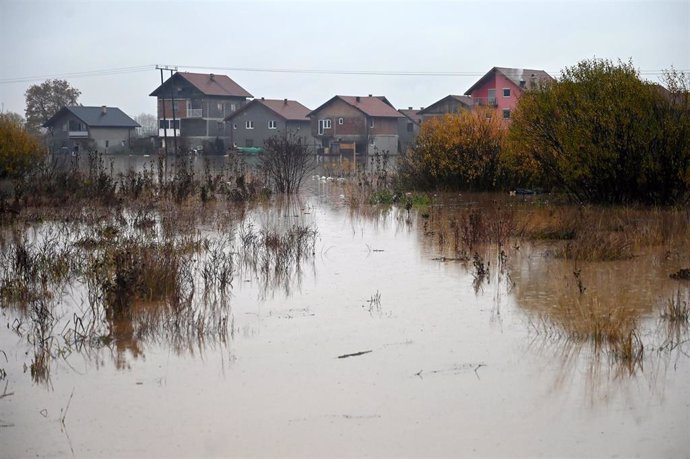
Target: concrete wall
point(260, 116)
point(111, 140)
point(407, 138)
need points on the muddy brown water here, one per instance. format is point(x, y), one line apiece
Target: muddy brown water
point(431, 365)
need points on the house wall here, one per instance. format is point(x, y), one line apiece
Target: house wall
point(407, 138)
point(260, 116)
point(110, 139)
point(356, 128)
point(499, 82)
point(443, 107)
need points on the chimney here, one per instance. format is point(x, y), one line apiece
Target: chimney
point(421, 108)
point(212, 76)
point(409, 108)
point(358, 99)
point(284, 101)
point(104, 109)
point(369, 95)
point(263, 98)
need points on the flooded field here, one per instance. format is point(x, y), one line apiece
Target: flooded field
point(311, 327)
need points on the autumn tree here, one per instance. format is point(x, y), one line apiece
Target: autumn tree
point(19, 150)
point(602, 134)
point(455, 151)
point(13, 117)
point(46, 99)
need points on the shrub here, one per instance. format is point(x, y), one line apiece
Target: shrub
point(285, 160)
point(19, 150)
point(602, 134)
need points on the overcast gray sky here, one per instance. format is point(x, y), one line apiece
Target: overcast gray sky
point(54, 39)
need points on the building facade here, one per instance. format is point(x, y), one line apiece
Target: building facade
point(356, 125)
point(79, 128)
point(501, 87)
point(261, 119)
point(192, 107)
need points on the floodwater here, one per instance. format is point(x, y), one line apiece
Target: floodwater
point(432, 363)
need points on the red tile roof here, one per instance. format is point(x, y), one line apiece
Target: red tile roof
point(209, 84)
point(520, 77)
point(374, 106)
point(215, 85)
point(289, 110)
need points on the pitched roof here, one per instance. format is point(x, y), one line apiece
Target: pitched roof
point(412, 114)
point(289, 110)
point(374, 106)
point(95, 117)
point(518, 76)
point(463, 100)
point(209, 84)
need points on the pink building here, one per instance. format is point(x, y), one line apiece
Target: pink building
point(501, 87)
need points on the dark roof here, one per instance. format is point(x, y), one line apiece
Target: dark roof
point(463, 100)
point(208, 84)
point(289, 110)
point(374, 106)
point(412, 114)
point(519, 77)
point(94, 117)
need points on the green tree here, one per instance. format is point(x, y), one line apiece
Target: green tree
point(19, 150)
point(46, 99)
point(455, 151)
point(602, 134)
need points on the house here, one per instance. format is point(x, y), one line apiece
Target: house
point(449, 104)
point(408, 128)
point(262, 118)
point(358, 124)
point(201, 101)
point(501, 88)
point(75, 128)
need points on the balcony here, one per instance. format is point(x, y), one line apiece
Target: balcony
point(169, 132)
point(485, 101)
point(78, 134)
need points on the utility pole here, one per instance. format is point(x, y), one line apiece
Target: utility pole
point(172, 98)
point(165, 119)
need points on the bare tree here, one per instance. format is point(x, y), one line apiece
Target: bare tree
point(285, 160)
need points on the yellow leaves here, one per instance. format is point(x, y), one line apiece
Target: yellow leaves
point(18, 149)
point(458, 150)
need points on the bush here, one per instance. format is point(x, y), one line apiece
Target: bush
point(456, 151)
point(603, 135)
point(285, 160)
point(19, 150)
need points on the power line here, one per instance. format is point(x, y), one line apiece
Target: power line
point(145, 68)
point(83, 74)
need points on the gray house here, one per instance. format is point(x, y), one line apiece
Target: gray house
point(192, 106)
point(262, 118)
point(449, 104)
point(408, 128)
point(106, 129)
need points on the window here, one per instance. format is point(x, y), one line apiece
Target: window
point(506, 92)
point(410, 127)
point(107, 143)
point(234, 125)
point(233, 107)
point(168, 124)
point(249, 124)
point(371, 123)
point(506, 114)
point(272, 124)
point(371, 141)
point(220, 107)
point(491, 97)
point(340, 121)
point(324, 124)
